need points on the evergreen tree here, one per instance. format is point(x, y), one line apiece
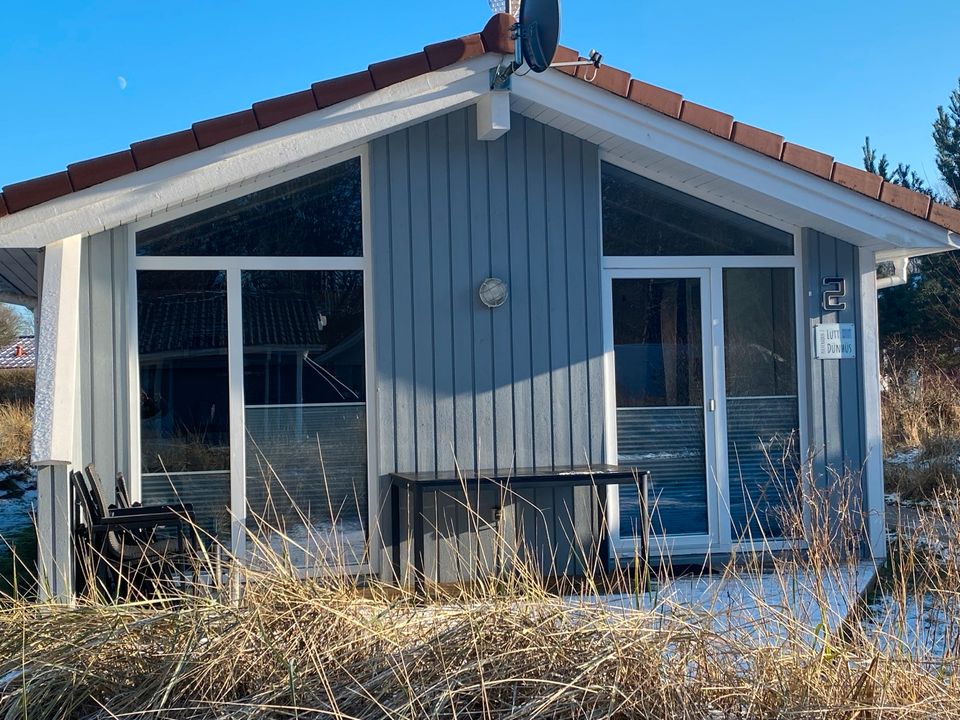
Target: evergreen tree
point(927, 308)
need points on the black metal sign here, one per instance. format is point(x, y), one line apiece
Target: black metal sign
point(835, 289)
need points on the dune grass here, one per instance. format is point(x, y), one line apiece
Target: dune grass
point(264, 642)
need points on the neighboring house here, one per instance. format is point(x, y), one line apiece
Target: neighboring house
point(686, 294)
point(18, 355)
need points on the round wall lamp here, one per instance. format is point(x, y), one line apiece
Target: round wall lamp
point(493, 292)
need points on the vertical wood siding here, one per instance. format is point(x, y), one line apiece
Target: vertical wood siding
point(103, 407)
point(458, 383)
point(835, 405)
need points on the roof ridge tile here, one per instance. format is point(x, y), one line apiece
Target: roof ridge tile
point(390, 72)
point(903, 198)
point(861, 181)
point(656, 98)
point(706, 118)
point(225, 127)
point(154, 151)
point(274, 111)
point(763, 141)
point(804, 158)
point(87, 173)
point(945, 216)
point(449, 52)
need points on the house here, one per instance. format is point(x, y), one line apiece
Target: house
point(18, 355)
point(223, 306)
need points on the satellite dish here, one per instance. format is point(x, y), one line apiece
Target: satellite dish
point(540, 32)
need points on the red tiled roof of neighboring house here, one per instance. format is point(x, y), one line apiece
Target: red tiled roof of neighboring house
point(495, 38)
point(19, 354)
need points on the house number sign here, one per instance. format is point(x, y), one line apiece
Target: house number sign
point(834, 341)
point(834, 290)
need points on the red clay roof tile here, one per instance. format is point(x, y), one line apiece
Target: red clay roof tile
point(496, 34)
point(390, 72)
point(87, 173)
point(900, 197)
point(945, 216)
point(286, 107)
point(757, 139)
point(655, 98)
point(336, 90)
point(494, 38)
point(608, 78)
point(166, 147)
point(705, 118)
point(804, 158)
point(565, 54)
point(857, 179)
point(226, 127)
point(28, 193)
point(440, 55)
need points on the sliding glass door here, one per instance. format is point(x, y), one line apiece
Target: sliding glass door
point(664, 400)
point(703, 364)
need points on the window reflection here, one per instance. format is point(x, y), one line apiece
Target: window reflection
point(318, 215)
point(642, 217)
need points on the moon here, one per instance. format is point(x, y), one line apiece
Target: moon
point(122, 82)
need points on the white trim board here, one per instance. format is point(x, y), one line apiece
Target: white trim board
point(715, 167)
point(669, 151)
point(275, 149)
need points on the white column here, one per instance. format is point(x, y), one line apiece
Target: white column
point(873, 436)
point(55, 413)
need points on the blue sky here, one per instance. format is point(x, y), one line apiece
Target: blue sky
point(823, 74)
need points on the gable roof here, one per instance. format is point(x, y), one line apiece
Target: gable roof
point(494, 38)
point(21, 353)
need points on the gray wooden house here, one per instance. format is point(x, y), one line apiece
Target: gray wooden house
point(283, 303)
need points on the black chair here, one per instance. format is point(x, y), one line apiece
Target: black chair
point(123, 497)
point(122, 551)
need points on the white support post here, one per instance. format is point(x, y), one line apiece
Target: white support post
point(873, 461)
point(55, 413)
point(493, 114)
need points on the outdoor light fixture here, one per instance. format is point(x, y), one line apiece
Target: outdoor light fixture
point(493, 292)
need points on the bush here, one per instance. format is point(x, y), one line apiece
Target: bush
point(17, 386)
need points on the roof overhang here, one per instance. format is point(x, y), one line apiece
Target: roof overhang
point(653, 144)
point(715, 169)
point(298, 143)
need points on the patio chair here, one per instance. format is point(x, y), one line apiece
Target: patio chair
point(121, 551)
point(123, 497)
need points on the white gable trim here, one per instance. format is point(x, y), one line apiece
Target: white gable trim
point(204, 172)
point(766, 184)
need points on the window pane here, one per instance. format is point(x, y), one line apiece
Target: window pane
point(762, 413)
point(184, 392)
point(303, 362)
point(641, 217)
point(658, 352)
point(759, 331)
point(315, 215)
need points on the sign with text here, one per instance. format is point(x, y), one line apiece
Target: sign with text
point(834, 341)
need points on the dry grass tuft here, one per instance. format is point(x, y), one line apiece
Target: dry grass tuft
point(16, 431)
point(265, 643)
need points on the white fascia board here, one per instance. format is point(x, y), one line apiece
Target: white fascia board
point(299, 141)
point(822, 204)
point(58, 341)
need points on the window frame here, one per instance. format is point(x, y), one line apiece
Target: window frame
point(615, 265)
point(233, 265)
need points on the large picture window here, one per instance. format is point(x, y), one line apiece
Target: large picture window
point(253, 374)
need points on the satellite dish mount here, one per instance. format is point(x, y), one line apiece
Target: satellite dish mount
point(535, 35)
